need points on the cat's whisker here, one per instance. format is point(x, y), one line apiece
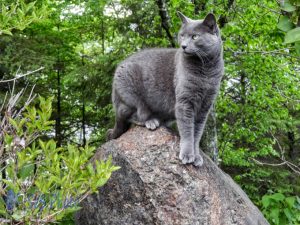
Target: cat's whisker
point(200, 57)
point(203, 54)
point(199, 49)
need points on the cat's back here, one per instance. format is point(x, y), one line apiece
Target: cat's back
point(156, 61)
point(152, 56)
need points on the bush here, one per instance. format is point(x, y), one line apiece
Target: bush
point(279, 209)
point(41, 182)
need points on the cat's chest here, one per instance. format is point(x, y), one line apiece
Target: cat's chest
point(196, 82)
point(196, 89)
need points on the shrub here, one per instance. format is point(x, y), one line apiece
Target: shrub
point(279, 209)
point(42, 182)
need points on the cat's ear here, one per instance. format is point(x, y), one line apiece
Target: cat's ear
point(184, 19)
point(211, 22)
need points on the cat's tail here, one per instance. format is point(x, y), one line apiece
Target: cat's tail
point(110, 135)
point(118, 130)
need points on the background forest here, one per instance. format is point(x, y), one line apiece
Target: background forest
point(75, 46)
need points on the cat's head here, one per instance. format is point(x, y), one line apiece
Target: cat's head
point(200, 37)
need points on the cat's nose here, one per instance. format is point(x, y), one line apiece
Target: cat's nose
point(183, 47)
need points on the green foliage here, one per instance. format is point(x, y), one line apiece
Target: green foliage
point(20, 14)
point(44, 183)
point(280, 209)
point(254, 110)
point(287, 23)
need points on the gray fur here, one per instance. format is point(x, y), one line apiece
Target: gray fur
point(156, 86)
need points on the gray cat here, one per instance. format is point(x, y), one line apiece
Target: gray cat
point(156, 86)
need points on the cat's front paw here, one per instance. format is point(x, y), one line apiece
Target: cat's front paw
point(152, 124)
point(186, 158)
point(198, 161)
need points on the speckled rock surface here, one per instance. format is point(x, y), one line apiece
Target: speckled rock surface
point(153, 187)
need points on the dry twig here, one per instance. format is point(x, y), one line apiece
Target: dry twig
point(289, 164)
point(18, 76)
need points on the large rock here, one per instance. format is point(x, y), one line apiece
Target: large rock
point(153, 187)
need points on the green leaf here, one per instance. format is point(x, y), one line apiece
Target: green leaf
point(30, 6)
point(51, 145)
point(266, 201)
point(288, 213)
point(90, 169)
point(2, 207)
point(26, 171)
point(11, 185)
point(297, 3)
point(115, 168)
point(292, 36)
point(8, 139)
point(297, 47)
point(290, 201)
point(13, 122)
point(3, 213)
point(277, 196)
point(288, 7)
point(18, 215)
point(42, 144)
point(275, 215)
point(71, 209)
point(6, 32)
point(285, 24)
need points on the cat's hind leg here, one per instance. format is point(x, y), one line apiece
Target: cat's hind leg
point(129, 88)
point(122, 123)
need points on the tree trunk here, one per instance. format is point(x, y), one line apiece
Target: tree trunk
point(153, 187)
point(223, 20)
point(102, 36)
point(243, 87)
point(165, 20)
point(291, 144)
point(58, 111)
point(83, 94)
point(83, 121)
point(209, 141)
point(199, 5)
point(58, 68)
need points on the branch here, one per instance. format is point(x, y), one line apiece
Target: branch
point(287, 97)
point(23, 75)
point(4, 221)
point(267, 164)
point(278, 52)
point(11, 112)
point(292, 166)
point(271, 10)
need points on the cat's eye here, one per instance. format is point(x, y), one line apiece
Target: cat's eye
point(195, 36)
